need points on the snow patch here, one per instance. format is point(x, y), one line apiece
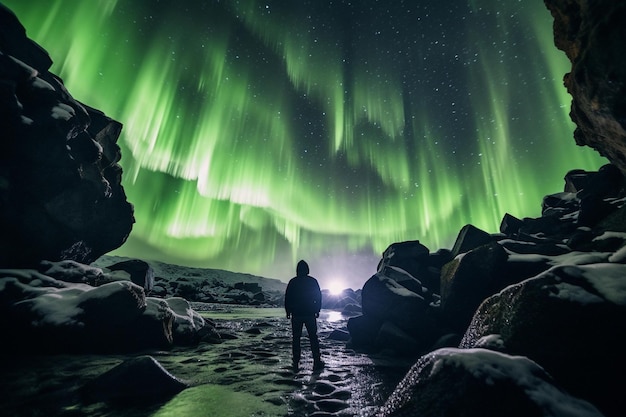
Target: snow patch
point(608, 280)
point(491, 367)
point(574, 293)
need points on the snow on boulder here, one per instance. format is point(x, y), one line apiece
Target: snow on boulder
point(187, 322)
point(479, 382)
point(569, 319)
point(43, 314)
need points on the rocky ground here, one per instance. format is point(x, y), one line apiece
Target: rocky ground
point(248, 374)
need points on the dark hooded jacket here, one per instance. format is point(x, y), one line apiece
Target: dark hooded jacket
point(303, 296)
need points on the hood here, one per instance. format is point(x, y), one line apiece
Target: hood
point(302, 269)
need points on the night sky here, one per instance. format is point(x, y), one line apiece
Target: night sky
point(258, 133)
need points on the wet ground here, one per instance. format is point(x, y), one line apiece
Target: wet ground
point(249, 374)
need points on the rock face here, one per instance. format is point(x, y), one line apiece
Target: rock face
point(592, 34)
point(576, 312)
point(479, 382)
point(60, 183)
point(551, 289)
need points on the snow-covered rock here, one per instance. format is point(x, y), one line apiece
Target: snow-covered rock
point(43, 314)
point(480, 383)
point(570, 319)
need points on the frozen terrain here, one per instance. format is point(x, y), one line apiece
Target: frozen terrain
point(248, 374)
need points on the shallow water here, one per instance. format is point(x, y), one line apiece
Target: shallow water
point(250, 375)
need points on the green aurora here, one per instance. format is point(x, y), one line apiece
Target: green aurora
point(259, 133)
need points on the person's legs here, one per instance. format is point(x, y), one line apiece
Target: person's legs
point(311, 328)
point(296, 334)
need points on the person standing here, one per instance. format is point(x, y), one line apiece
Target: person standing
point(303, 302)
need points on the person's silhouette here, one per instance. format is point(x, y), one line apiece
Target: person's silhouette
point(303, 301)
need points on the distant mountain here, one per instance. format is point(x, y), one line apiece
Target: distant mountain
point(172, 272)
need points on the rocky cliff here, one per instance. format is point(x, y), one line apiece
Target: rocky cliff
point(501, 322)
point(60, 182)
point(592, 35)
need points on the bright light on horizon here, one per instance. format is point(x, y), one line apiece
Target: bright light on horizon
point(336, 287)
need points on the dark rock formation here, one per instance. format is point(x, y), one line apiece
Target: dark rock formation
point(567, 315)
point(554, 286)
point(479, 383)
point(551, 289)
point(137, 380)
point(592, 34)
point(60, 182)
point(397, 314)
point(141, 273)
point(467, 280)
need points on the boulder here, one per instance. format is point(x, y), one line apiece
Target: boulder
point(479, 382)
point(575, 180)
point(61, 196)
point(570, 320)
point(469, 237)
point(391, 338)
point(187, 322)
point(591, 34)
point(386, 299)
point(395, 299)
point(363, 331)
point(137, 380)
point(115, 317)
point(510, 225)
point(468, 280)
point(410, 256)
point(141, 273)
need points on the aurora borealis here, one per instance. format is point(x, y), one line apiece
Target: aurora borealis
point(257, 133)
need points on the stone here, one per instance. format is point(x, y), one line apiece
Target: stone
point(75, 317)
point(591, 34)
point(137, 380)
point(478, 383)
point(60, 181)
point(410, 256)
point(141, 273)
point(469, 237)
point(575, 180)
point(363, 330)
point(468, 280)
point(390, 299)
point(337, 334)
point(510, 225)
point(569, 320)
point(392, 338)
point(385, 299)
point(187, 322)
